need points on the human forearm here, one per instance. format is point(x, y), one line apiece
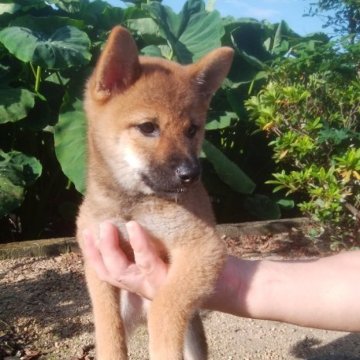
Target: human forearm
point(321, 293)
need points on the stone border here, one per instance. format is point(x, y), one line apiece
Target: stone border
point(38, 248)
point(57, 246)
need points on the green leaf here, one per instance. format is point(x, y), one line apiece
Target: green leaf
point(227, 170)
point(192, 33)
point(70, 6)
point(108, 18)
point(10, 8)
point(210, 5)
point(280, 38)
point(335, 136)
point(248, 39)
point(17, 171)
point(147, 28)
point(70, 142)
point(152, 50)
point(15, 104)
point(286, 204)
point(221, 121)
point(66, 47)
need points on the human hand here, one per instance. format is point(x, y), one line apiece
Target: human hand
point(148, 273)
point(144, 277)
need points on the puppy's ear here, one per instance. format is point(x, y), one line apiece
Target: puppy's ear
point(118, 66)
point(210, 71)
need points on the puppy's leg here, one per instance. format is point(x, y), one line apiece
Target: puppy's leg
point(190, 279)
point(109, 329)
point(133, 311)
point(195, 340)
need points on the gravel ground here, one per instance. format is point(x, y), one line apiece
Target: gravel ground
point(45, 314)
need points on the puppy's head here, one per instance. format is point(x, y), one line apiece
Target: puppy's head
point(147, 115)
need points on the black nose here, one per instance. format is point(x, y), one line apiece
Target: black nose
point(188, 171)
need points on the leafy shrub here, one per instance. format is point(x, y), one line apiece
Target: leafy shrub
point(310, 111)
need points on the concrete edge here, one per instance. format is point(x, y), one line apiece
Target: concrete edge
point(58, 246)
point(262, 227)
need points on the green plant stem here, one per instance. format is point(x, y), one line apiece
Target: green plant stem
point(37, 79)
point(68, 184)
point(171, 55)
point(33, 70)
point(59, 78)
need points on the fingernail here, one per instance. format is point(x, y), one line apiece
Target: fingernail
point(129, 226)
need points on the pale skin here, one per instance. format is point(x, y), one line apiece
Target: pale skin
point(322, 293)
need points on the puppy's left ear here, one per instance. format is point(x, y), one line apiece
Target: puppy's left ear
point(118, 66)
point(210, 71)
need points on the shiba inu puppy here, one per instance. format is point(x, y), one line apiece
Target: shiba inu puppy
point(146, 120)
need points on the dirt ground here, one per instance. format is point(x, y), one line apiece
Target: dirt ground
point(45, 313)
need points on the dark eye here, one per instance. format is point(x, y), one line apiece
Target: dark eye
point(191, 131)
point(148, 128)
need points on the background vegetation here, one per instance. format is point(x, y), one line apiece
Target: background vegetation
point(286, 119)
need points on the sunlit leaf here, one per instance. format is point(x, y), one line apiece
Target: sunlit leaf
point(17, 172)
point(14, 104)
point(70, 142)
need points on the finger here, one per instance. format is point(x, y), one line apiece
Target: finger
point(93, 256)
point(144, 252)
point(113, 257)
point(152, 267)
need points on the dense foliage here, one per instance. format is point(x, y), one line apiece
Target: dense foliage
point(310, 110)
point(47, 51)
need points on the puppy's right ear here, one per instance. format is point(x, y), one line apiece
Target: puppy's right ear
point(118, 66)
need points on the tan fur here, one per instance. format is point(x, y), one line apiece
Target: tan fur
point(124, 91)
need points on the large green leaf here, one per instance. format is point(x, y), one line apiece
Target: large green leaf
point(46, 24)
point(17, 171)
point(70, 143)
point(192, 33)
point(66, 47)
point(14, 104)
point(227, 170)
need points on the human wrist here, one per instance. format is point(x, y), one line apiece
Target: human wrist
point(233, 285)
point(247, 288)
point(260, 293)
